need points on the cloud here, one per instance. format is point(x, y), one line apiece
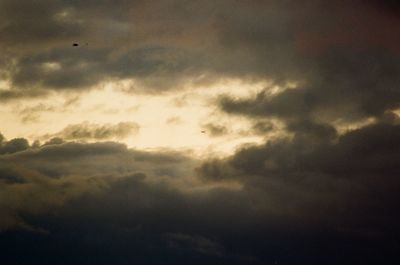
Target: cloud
point(262, 127)
point(13, 146)
point(91, 131)
point(340, 192)
point(326, 181)
point(174, 120)
point(347, 87)
point(160, 55)
point(215, 130)
point(255, 40)
point(47, 176)
point(7, 95)
point(32, 113)
point(36, 23)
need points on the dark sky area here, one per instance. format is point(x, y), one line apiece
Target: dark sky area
point(321, 188)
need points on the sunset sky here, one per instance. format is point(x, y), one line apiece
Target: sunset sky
point(199, 132)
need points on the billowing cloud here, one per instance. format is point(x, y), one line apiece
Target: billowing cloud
point(350, 87)
point(12, 146)
point(320, 178)
point(35, 179)
point(338, 190)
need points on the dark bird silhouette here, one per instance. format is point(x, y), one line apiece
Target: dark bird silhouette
point(203, 131)
point(75, 44)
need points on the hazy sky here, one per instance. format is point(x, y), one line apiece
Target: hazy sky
point(199, 132)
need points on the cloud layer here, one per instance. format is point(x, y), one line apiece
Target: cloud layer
point(316, 190)
point(322, 189)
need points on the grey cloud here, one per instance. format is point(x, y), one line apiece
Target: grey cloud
point(53, 141)
point(316, 197)
point(52, 174)
point(49, 181)
point(215, 130)
point(256, 40)
point(343, 73)
point(92, 131)
point(155, 67)
point(291, 191)
point(262, 127)
point(332, 181)
point(286, 104)
point(13, 94)
point(35, 23)
point(32, 113)
point(346, 86)
point(13, 146)
point(161, 54)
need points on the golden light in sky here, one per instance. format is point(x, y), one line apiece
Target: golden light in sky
point(167, 121)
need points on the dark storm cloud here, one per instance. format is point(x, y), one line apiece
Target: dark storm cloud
point(89, 66)
point(135, 194)
point(25, 23)
point(92, 131)
point(330, 196)
point(161, 44)
point(344, 72)
point(348, 86)
point(160, 53)
point(350, 182)
point(38, 178)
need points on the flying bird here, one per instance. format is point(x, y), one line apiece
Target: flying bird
point(75, 44)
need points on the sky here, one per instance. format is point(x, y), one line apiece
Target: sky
point(199, 132)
